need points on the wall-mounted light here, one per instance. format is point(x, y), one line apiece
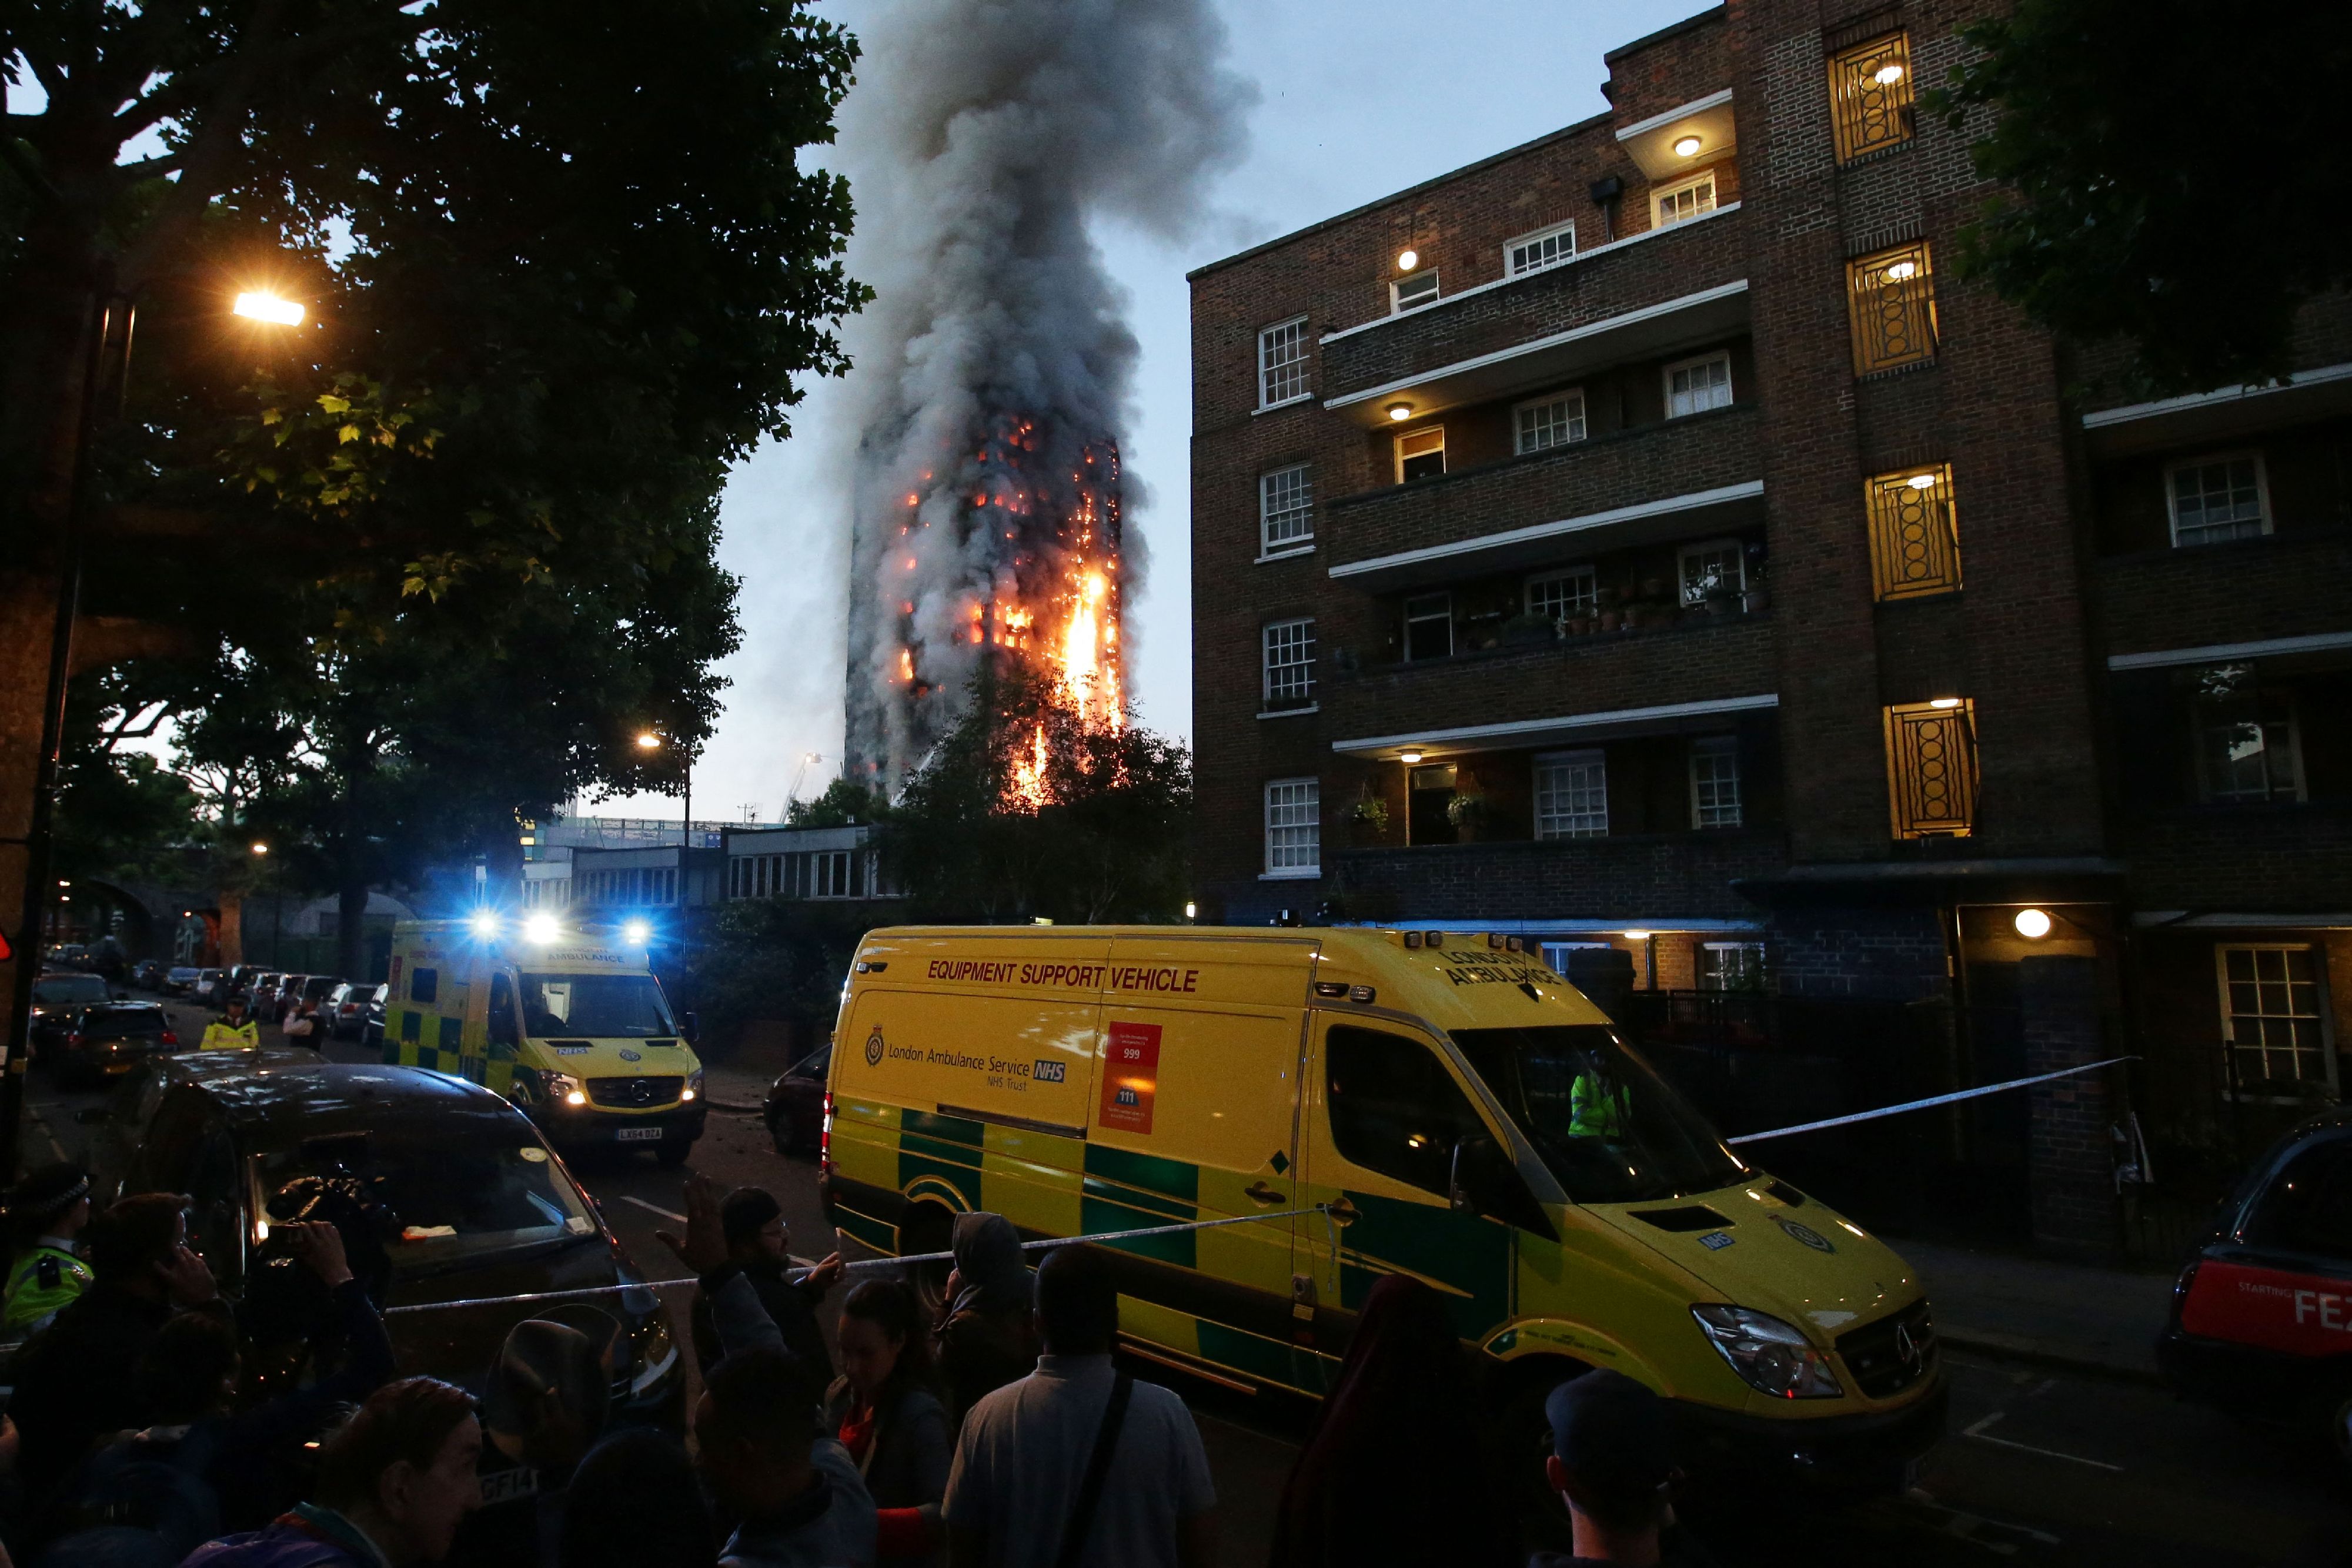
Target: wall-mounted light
point(1888, 74)
point(1407, 260)
point(1687, 146)
point(1410, 756)
point(1921, 481)
point(1399, 411)
point(2033, 925)
point(1943, 702)
point(1637, 937)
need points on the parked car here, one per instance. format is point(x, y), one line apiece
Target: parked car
point(208, 989)
point(58, 996)
point(180, 979)
point(281, 1000)
point(2261, 1317)
point(372, 1025)
point(305, 988)
point(103, 1043)
point(464, 1200)
point(795, 1110)
point(263, 995)
point(345, 1010)
point(147, 975)
point(240, 983)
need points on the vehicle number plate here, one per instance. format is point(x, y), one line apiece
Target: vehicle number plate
point(638, 1135)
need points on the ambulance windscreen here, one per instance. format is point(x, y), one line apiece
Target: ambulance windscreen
point(1610, 1129)
point(595, 1006)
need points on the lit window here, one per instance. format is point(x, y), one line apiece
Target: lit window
point(1282, 362)
point(1682, 201)
point(1285, 508)
point(1731, 967)
point(1293, 833)
point(1412, 292)
point(1891, 298)
point(1870, 96)
point(1429, 626)
point(1545, 247)
point(2247, 748)
point(1694, 386)
point(1421, 455)
point(1549, 422)
point(1931, 767)
point(2271, 1018)
point(1915, 546)
point(1289, 664)
point(2218, 499)
point(1714, 783)
point(1557, 595)
point(1572, 795)
point(1717, 566)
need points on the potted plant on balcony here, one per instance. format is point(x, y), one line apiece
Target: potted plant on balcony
point(1467, 811)
point(1528, 630)
point(1607, 602)
point(1368, 822)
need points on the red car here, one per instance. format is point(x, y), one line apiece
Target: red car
point(2262, 1320)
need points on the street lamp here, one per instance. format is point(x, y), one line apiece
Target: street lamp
point(260, 849)
point(651, 740)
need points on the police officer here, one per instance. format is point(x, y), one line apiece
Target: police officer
point(45, 1211)
point(233, 1031)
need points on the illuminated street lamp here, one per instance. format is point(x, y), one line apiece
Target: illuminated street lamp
point(261, 305)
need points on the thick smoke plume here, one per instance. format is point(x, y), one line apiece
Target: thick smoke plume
point(994, 365)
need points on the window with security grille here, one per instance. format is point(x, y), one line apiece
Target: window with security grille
point(1572, 795)
point(1931, 767)
point(1716, 566)
point(1413, 292)
point(1871, 96)
point(1730, 966)
point(1915, 546)
point(1676, 204)
point(1285, 508)
point(1550, 422)
point(2247, 748)
point(1557, 595)
point(2218, 499)
point(1289, 664)
point(1714, 783)
point(1293, 832)
point(1282, 362)
point(1891, 303)
point(1429, 626)
point(1694, 386)
point(2272, 1018)
point(1545, 247)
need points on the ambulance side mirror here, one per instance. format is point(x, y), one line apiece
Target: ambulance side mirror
point(689, 1028)
point(1485, 1181)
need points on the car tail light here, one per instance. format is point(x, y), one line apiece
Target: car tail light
point(73, 1037)
point(825, 1138)
point(170, 1038)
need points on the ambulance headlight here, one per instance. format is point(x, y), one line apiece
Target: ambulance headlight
point(693, 1090)
point(636, 933)
point(562, 1089)
point(1770, 1356)
point(541, 927)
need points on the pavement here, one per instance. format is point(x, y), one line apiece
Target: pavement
point(2071, 1316)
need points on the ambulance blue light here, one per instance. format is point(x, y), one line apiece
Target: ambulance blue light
point(636, 933)
point(485, 925)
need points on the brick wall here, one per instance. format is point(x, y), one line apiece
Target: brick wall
point(1888, 954)
point(1616, 878)
point(2283, 585)
point(2070, 1152)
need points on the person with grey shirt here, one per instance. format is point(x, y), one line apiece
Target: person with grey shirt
point(1077, 1463)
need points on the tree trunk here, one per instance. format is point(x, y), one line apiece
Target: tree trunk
point(351, 918)
point(232, 928)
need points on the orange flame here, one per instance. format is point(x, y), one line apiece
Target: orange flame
point(1028, 786)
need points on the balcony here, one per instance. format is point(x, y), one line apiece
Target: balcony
point(1649, 873)
point(1686, 478)
point(1649, 294)
point(2196, 606)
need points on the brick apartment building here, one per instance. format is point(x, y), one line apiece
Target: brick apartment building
point(1641, 539)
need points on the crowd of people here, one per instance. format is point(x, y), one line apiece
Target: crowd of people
point(152, 1422)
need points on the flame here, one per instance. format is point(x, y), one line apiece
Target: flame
point(1028, 786)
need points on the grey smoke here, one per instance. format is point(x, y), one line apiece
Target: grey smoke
point(984, 140)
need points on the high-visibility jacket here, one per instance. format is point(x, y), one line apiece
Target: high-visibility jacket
point(43, 1281)
point(222, 1035)
point(1595, 1110)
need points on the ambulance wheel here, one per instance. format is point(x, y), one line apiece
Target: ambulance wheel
point(671, 1153)
point(928, 1228)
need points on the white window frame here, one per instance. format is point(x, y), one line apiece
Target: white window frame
point(1699, 972)
point(2206, 460)
point(1730, 386)
point(1264, 371)
point(1586, 828)
point(1304, 693)
point(1512, 266)
point(1555, 954)
point(2222, 951)
point(1563, 574)
point(1397, 306)
point(1582, 431)
point(1660, 195)
point(2200, 726)
point(1405, 610)
point(1397, 446)
point(1711, 746)
point(1280, 858)
point(1267, 515)
point(1683, 555)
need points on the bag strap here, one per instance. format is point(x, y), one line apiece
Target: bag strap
point(1090, 1489)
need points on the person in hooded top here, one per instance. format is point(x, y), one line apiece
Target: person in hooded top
point(1401, 1425)
point(987, 1336)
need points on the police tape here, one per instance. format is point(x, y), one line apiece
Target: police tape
point(592, 1292)
point(1928, 1104)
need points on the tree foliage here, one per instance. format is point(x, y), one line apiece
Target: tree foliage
point(2172, 179)
point(1103, 833)
point(846, 803)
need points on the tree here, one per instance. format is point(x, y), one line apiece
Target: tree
point(1024, 811)
point(2172, 176)
point(452, 545)
point(846, 803)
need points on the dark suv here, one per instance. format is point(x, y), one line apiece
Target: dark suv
point(105, 1042)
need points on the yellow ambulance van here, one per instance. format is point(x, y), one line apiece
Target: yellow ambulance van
point(1368, 1102)
point(570, 1025)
